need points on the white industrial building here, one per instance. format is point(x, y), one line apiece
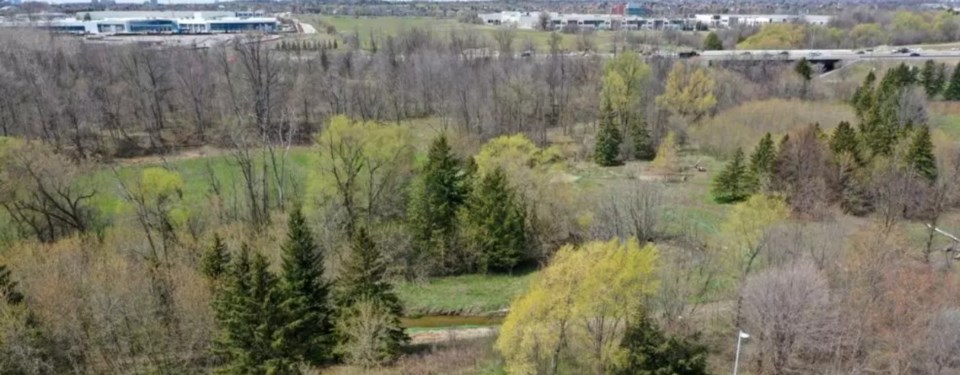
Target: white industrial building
point(531, 20)
point(147, 24)
point(732, 20)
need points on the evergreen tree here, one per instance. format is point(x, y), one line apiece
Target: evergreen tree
point(931, 78)
point(863, 98)
point(731, 184)
point(216, 261)
point(920, 157)
point(248, 319)
point(844, 141)
point(495, 223)
point(266, 298)
point(324, 60)
point(363, 280)
point(649, 352)
point(307, 331)
point(761, 165)
point(953, 87)
point(607, 150)
point(435, 201)
point(712, 42)
point(236, 318)
point(642, 143)
point(804, 69)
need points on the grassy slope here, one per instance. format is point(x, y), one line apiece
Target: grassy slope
point(467, 294)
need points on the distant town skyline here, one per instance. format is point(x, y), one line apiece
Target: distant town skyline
point(161, 2)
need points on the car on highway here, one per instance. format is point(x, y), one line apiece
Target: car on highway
point(914, 54)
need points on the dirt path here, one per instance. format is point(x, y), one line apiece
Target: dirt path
point(450, 334)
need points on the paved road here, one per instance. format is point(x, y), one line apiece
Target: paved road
point(829, 54)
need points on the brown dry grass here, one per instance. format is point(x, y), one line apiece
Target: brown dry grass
point(743, 126)
point(454, 358)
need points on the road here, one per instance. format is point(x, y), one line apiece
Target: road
point(829, 54)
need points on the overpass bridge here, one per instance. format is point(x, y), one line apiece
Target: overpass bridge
point(828, 58)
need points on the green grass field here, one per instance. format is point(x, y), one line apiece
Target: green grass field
point(466, 294)
point(366, 27)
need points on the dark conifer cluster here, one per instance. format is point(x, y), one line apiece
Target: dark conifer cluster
point(813, 169)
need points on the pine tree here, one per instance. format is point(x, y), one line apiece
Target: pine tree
point(863, 98)
point(363, 280)
point(712, 42)
point(236, 318)
point(495, 223)
point(607, 150)
point(761, 165)
point(952, 91)
point(642, 143)
point(730, 185)
point(803, 69)
point(266, 297)
point(844, 141)
point(920, 157)
point(216, 261)
point(435, 201)
point(248, 319)
point(931, 79)
point(649, 352)
point(307, 331)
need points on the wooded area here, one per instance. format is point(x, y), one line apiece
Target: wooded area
point(254, 208)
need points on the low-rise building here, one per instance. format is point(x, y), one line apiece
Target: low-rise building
point(161, 25)
point(719, 21)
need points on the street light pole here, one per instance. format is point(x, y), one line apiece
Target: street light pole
point(736, 362)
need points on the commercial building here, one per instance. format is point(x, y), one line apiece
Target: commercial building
point(556, 21)
point(719, 21)
point(161, 25)
point(623, 18)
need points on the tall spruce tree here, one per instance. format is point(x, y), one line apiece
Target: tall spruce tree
point(952, 91)
point(307, 330)
point(844, 141)
point(761, 165)
point(731, 184)
point(641, 140)
point(931, 79)
point(249, 320)
point(266, 297)
point(363, 280)
point(607, 150)
point(648, 351)
point(236, 319)
point(863, 98)
point(434, 203)
point(495, 223)
point(920, 157)
point(216, 260)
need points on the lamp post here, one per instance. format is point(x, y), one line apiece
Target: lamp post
point(736, 362)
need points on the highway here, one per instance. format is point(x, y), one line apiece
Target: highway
point(889, 53)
